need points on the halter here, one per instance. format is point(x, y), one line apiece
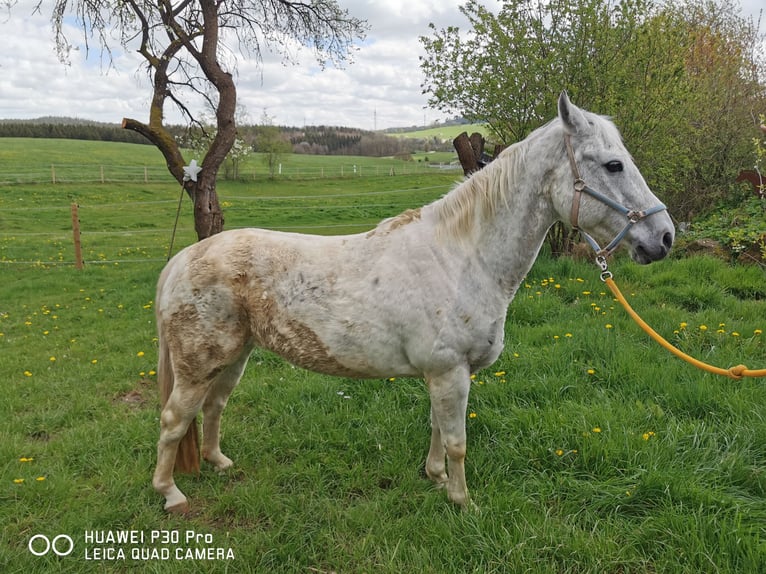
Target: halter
point(633, 216)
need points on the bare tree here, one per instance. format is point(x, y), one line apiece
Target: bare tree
point(190, 48)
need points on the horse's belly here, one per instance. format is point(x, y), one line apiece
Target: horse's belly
point(342, 355)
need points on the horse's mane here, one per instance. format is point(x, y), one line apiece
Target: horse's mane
point(479, 196)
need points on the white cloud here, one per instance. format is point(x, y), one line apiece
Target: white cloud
point(381, 88)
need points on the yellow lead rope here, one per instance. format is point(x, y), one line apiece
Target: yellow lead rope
point(734, 372)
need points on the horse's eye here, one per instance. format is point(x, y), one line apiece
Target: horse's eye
point(613, 166)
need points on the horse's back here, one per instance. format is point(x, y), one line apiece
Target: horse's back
point(304, 297)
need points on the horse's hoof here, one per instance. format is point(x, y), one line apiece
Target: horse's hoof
point(178, 508)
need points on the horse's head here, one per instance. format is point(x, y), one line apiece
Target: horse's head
point(605, 195)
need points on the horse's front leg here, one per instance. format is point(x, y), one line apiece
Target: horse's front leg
point(449, 401)
point(436, 466)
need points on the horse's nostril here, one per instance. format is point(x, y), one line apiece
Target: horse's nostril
point(667, 240)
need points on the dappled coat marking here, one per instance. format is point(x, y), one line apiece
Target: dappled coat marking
point(425, 293)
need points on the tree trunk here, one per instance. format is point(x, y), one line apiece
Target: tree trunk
point(465, 154)
point(208, 217)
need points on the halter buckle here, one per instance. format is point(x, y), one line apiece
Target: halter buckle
point(635, 216)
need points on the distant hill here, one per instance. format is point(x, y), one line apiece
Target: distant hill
point(322, 140)
point(443, 132)
point(68, 128)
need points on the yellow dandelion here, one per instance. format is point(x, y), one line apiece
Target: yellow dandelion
point(683, 325)
point(608, 326)
point(757, 332)
point(734, 334)
point(52, 359)
point(18, 481)
point(499, 373)
point(472, 415)
point(568, 335)
point(596, 429)
point(140, 354)
point(153, 372)
point(40, 478)
point(703, 328)
point(591, 371)
point(26, 459)
point(94, 361)
point(559, 452)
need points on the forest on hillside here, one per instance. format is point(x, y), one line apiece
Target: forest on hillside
point(318, 140)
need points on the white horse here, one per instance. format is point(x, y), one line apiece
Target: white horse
point(424, 293)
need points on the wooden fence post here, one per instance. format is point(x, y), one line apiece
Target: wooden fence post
point(78, 263)
point(466, 154)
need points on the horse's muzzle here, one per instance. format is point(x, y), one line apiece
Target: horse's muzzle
point(645, 253)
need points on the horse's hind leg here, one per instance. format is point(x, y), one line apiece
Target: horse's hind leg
point(183, 405)
point(215, 401)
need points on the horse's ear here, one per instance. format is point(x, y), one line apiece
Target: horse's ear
point(571, 116)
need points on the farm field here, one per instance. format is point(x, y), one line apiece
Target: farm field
point(444, 132)
point(590, 449)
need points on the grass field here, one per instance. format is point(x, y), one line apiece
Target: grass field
point(590, 448)
point(445, 132)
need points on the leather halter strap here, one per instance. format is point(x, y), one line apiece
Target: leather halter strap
point(580, 187)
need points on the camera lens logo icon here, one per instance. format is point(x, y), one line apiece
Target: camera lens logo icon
point(61, 545)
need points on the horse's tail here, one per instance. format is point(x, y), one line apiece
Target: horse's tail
point(188, 454)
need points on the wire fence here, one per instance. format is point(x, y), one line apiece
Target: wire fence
point(91, 173)
point(113, 234)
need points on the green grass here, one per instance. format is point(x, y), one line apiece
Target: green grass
point(591, 449)
point(444, 132)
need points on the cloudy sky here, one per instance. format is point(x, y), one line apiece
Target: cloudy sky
point(380, 89)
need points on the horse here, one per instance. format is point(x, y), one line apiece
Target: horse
point(423, 294)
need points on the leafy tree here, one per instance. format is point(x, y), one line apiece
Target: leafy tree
point(270, 142)
point(682, 80)
point(189, 48)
